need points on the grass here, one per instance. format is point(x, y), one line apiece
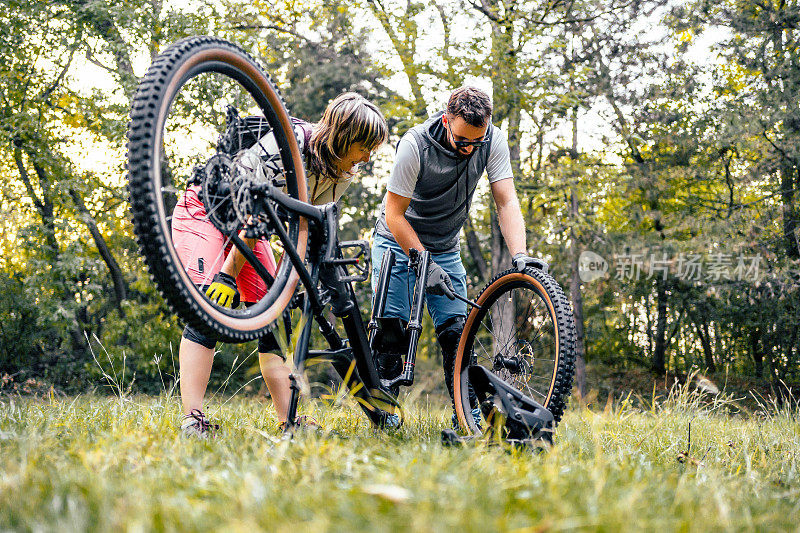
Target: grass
point(99, 463)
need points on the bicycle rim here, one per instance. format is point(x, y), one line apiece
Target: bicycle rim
point(180, 115)
point(524, 333)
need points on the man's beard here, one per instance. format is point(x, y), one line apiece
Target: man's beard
point(463, 155)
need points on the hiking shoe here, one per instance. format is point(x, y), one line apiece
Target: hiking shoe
point(196, 425)
point(302, 422)
point(476, 415)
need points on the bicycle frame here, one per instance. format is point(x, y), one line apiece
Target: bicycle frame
point(326, 270)
point(523, 419)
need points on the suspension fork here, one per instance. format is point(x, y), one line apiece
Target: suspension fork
point(419, 261)
point(381, 291)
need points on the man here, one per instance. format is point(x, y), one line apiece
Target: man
point(436, 171)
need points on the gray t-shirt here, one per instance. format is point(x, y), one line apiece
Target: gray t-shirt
point(405, 172)
point(441, 193)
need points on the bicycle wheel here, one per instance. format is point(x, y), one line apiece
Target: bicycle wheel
point(191, 180)
point(525, 333)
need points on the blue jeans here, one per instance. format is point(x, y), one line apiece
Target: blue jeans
point(401, 284)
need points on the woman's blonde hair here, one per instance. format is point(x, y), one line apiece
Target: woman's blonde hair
point(349, 119)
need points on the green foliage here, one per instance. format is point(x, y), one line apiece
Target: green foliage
point(20, 333)
point(621, 143)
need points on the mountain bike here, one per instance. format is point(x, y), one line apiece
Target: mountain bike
point(516, 353)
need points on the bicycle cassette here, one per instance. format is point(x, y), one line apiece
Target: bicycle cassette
point(216, 193)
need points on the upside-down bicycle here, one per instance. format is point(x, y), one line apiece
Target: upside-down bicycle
point(515, 357)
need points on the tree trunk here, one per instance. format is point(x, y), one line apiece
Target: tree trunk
point(405, 46)
point(502, 316)
point(575, 281)
point(577, 306)
point(661, 328)
point(43, 205)
point(120, 287)
point(505, 97)
point(45, 208)
point(501, 260)
point(474, 249)
point(789, 213)
point(705, 342)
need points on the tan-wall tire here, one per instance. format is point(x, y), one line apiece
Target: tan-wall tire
point(156, 92)
point(560, 311)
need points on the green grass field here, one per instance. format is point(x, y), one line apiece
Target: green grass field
point(100, 463)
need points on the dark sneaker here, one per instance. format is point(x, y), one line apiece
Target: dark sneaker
point(476, 415)
point(196, 425)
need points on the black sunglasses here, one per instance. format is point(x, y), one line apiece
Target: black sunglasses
point(464, 144)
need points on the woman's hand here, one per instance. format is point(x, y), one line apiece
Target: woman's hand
point(222, 290)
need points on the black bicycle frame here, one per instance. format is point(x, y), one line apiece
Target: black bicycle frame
point(327, 269)
point(355, 363)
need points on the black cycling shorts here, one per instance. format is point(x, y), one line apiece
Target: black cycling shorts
point(266, 344)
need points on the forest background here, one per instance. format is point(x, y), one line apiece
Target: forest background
point(655, 146)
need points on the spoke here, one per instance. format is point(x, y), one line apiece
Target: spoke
point(531, 379)
point(539, 393)
point(488, 357)
point(511, 336)
point(498, 338)
point(487, 326)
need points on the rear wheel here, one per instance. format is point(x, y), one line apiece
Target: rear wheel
point(525, 333)
point(190, 181)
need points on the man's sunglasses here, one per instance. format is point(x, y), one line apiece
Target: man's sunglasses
point(464, 144)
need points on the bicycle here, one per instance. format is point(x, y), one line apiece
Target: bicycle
point(174, 140)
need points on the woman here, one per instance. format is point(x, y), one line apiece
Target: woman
point(350, 130)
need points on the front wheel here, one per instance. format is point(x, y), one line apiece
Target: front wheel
point(525, 333)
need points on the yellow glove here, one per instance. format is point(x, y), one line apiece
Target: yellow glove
point(222, 290)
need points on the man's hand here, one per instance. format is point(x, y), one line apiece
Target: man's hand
point(222, 290)
point(521, 261)
point(439, 282)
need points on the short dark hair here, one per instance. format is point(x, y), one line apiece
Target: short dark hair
point(471, 104)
